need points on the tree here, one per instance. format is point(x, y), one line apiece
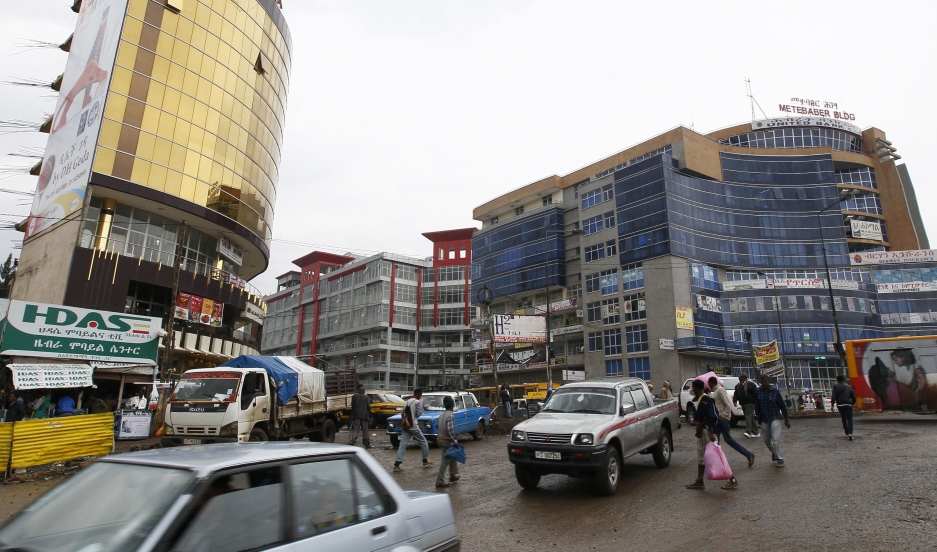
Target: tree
point(7, 274)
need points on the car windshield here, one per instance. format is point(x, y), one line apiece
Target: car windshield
point(433, 402)
point(387, 398)
point(584, 400)
point(106, 507)
point(218, 386)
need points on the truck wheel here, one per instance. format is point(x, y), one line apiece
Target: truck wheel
point(690, 413)
point(479, 432)
point(609, 475)
point(327, 433)
point(395, 441)
point(526, 478)
point(258, 434)
point(661, 451)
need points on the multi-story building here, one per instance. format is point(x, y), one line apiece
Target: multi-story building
point(399, 321)
point(179, 110)
point(729, 226)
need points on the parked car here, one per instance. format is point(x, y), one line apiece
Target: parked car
point(383, 405)
point(468, 416)
point(229, 497)
point(689, 410)
point(586, 429)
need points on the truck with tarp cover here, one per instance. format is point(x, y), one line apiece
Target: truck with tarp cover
point(257, 398)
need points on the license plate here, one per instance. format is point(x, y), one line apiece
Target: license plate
point(191, 441)
point(546, 455)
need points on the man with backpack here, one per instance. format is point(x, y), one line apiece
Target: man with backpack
point(705, 420)
point(745, 393)
point(409, 427)
point(844, 396)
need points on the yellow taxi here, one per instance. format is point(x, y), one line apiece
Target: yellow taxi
point(383, 406)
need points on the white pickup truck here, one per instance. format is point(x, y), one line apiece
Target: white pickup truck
point(256, 398)
point(588, 428)
point(688, 409)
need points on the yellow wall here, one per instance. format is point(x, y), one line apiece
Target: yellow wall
point(188, 114)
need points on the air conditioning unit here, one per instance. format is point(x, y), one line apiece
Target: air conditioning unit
point(579, 313)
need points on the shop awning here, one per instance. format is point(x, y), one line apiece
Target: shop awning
point(51, 376)
point(135, 369)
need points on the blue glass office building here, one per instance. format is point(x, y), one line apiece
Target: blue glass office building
point(736, 226)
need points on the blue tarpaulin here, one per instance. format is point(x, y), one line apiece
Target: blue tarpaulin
point(286, 373)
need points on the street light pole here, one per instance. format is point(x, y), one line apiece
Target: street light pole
point(829, 280)
point(777, 310)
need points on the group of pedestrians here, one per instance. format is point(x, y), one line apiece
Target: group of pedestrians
point(445, 438)
point(761, 404)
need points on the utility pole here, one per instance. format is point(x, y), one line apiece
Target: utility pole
point(169, 340)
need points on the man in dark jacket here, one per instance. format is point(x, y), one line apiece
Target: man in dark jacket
point(844, 396)
point(15, 409)
point(770, 409)
point(505, 396)
point(360, 413)
point(745, 393)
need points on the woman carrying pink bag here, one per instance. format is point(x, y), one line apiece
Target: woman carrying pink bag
point(705, 420)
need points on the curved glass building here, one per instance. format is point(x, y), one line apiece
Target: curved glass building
point(679, 248)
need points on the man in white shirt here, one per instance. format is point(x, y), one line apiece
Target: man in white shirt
point(412, 412)
point(724, 407)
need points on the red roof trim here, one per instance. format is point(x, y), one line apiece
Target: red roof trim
point(322, 256)
point(450, 235)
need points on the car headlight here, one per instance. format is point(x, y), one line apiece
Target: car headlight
point(584, 439)
point(428, 425)
point(391, 425)
point(229, 430)
point(167, 429)
point(518, 435)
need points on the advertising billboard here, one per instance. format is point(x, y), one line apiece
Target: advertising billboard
point(866, 229)
point(514, 328)
point(894, 257)
point(66, 164)
point(897, 373)
point(57, 331)
point(685, 318)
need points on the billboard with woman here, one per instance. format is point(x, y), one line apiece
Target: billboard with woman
point(894, 373)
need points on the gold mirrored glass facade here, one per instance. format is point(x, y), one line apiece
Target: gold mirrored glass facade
point(197, 105)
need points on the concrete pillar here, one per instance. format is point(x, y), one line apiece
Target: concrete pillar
point(105, 221)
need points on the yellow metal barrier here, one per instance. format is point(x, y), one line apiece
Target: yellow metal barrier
point(44, 441)
point(6, 441)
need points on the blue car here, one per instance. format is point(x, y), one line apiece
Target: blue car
point(468, 416)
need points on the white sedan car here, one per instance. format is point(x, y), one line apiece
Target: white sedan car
point(231, 497)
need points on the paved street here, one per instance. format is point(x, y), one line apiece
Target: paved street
point(878, 492)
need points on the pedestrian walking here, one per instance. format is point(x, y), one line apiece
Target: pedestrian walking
point(844, 396)
point(410, 428)
point(16, 411)
point(770, 408)
point(445, 438)
point(360, 412)
point(705, 420)
point(724, 408)
point(665, 391)
point(505, 395)
point(745, 393)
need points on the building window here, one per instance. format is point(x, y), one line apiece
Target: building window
point(640, 368)
point(574, 290)
point(610, 311)
point(612, 339)
point(595, 252)
point(519, 211)
point(637, 338)
point(451, 317)
point(609, 219)
point(595, 341)
point(634, 306)
point(442, 254)
point(547, 200)
point(610, 248)
point(609, 281)
point(592, 282)
point(451, 273)
point(590, 198)
point(632, 277)
point(607, 192)
point(449, 294)
point(462, 252)
point(592, 225)
point(613, 367)
point(452, 253)
point(704, 276)
point(594, 312)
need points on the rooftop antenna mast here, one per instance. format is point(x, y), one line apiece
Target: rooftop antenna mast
point(751, 99)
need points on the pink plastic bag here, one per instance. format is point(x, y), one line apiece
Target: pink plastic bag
point(717, 467)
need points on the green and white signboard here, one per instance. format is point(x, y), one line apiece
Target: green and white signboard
point(57, 331)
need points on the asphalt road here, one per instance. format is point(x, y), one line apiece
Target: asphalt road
point(878, 492)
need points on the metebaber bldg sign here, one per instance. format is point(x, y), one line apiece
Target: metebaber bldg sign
point(57, 331)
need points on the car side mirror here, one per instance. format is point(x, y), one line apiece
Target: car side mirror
point(627, 409)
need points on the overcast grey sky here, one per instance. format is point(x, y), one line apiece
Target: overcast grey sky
point(405, 115)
